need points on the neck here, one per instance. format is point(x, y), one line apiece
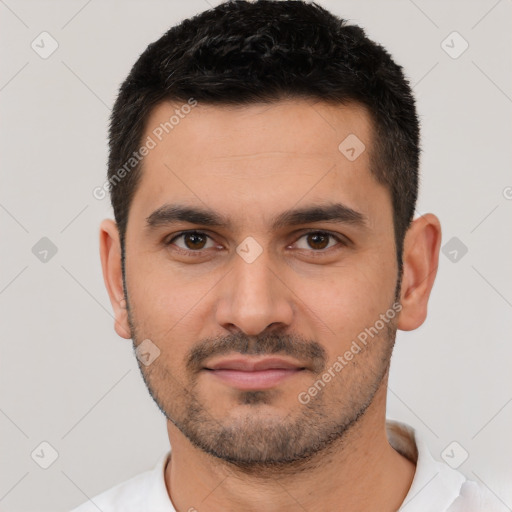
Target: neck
point(359, 472)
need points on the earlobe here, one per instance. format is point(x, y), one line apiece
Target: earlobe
point(420, 261)
point(110, 254)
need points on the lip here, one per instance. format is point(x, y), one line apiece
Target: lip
point(252, 373)
point(252, 364)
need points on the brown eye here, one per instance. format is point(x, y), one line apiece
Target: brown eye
point(318, 240)
point(192, 241)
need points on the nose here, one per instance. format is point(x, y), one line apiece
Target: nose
point(254, 298)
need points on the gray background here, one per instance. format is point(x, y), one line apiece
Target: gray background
point(65, 376)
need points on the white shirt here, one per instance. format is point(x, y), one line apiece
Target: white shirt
point(436, 487)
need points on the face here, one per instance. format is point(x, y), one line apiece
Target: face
point(258, 255)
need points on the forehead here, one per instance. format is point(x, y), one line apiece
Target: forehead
point(257, 160)
point(305, 127)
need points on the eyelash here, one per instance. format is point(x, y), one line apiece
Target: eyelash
point(199, 252)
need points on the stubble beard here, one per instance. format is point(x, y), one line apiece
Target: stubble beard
point(262, 445)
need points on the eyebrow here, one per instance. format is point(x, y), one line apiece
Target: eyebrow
point(331, 212)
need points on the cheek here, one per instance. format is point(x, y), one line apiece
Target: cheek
point(174, 301)
point(165, 300)
point(344, 303)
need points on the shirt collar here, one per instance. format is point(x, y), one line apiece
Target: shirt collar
point(435, 485)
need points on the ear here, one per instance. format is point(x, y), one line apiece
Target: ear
point(110, 253)
point(420, 261)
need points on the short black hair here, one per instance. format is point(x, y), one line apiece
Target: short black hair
point(241, 53)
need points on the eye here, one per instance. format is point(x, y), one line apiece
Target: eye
point(193, 241)
point(319, 241)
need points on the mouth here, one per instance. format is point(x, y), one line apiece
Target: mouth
point(254, 373)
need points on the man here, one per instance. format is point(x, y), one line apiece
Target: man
point(263, 172)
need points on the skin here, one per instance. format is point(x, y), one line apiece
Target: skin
point(250, 164)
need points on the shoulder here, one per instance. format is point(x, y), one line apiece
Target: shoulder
point(436, 485)
point(126, 496)
point(134, 494)
point(475, 497)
